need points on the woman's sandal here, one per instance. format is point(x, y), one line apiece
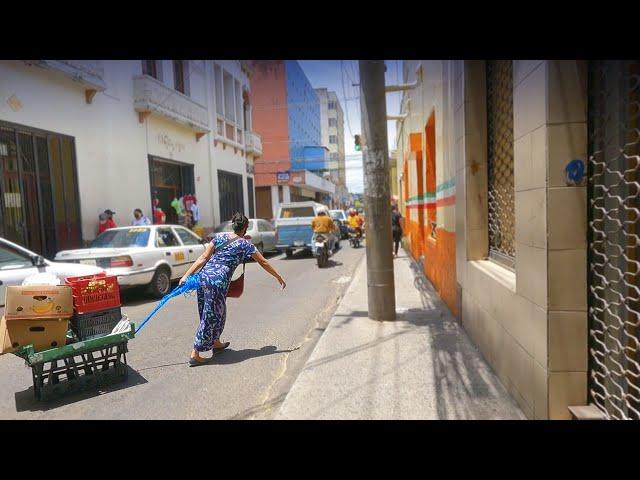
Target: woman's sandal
point(194, 363)
point(225, 345)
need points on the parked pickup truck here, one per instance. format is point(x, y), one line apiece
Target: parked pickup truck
point(293, 225)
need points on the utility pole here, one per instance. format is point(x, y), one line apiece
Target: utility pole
point(375, 158)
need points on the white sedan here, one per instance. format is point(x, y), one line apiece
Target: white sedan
point(18, 263)
point(152, 255)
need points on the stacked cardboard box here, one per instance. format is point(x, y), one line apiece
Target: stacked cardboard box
point(37, 315)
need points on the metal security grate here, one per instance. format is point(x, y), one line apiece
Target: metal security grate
point(500, 161)
point(614, 237)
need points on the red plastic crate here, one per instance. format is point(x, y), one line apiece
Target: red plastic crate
point(92, 293)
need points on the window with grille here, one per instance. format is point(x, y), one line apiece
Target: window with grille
point(150, 67)
point(331, 105)
point(179, 80)
point(501, 195)
point(333, 139)
point(231, 194)
point(333, 122)
point(613, 190)
point(217, 75)
point(229, 100)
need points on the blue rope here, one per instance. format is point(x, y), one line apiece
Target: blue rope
point(190, 285)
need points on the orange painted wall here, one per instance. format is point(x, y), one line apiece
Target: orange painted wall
point(270, 119)
point(440, 266)
point(430, 140)
point(440, 252)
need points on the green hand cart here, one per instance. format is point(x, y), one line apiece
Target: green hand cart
point(78, 366)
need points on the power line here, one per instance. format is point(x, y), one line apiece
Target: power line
point(344, 95)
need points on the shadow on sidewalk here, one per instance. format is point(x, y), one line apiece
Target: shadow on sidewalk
point(466, 386)
point(463, 384)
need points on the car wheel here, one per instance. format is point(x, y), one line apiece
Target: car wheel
point(160, 283)
point(289, 253)
point(260, 248)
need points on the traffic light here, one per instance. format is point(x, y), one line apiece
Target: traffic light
point(358, 146)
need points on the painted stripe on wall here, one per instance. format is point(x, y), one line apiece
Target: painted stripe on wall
point(445, 189)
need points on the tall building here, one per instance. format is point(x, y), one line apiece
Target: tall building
point(332, 126)
point(80, 136)
point(286, 114)
point(235, 145)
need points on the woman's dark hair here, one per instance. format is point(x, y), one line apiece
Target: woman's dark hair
point(239, 222)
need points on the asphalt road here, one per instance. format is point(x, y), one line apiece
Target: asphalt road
point(272, 332)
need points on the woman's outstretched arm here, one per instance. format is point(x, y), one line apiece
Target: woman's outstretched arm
point(197, 265)
point(267, 266)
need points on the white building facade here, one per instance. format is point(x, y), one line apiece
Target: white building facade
point(332, 126)
point(79, 137)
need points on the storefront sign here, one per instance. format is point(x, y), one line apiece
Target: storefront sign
point(283, 177)
point(298, 178)
point(171, 145)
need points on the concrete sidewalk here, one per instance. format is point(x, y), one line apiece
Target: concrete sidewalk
point(422, 366)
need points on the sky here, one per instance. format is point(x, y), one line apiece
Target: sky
point(339, 76)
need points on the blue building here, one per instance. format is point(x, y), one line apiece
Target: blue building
point(305, 134)
point(287, 116)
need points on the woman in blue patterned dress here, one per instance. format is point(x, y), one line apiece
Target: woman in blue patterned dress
point(218, 262)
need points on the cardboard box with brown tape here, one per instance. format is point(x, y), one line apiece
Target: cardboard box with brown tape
point(38, 301)
point(42, 333)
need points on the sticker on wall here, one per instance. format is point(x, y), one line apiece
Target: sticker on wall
point(574, 172)
point(14, 103)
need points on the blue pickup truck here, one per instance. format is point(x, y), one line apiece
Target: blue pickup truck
point(293, 225)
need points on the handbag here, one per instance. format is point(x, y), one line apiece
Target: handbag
point(236, 287)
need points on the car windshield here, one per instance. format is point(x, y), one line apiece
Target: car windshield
point(10, 258)
point(226, 227)
point(131, 237)
point(296, 212)
point(337, 215)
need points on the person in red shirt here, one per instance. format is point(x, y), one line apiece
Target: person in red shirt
point(106, 221)
point(159, 217)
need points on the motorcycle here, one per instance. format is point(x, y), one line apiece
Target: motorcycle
point(322, 249)
point(354, 238)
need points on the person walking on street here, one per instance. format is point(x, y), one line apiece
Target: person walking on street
point(218, 262)
point(106, 221)
point(396, 228)
point(139, 218)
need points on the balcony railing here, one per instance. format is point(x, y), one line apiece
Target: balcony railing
point(254, 143)
point(153, 96)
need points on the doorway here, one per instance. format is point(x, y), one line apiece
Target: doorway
point(39, 190)
point(170, 180)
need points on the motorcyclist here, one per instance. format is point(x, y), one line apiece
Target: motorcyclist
point(323, 224)
point(355, 222)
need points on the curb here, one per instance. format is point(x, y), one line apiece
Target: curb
point(349, 289)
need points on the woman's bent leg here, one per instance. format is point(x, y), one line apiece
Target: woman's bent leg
point(204, 335)
point(219, 305)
